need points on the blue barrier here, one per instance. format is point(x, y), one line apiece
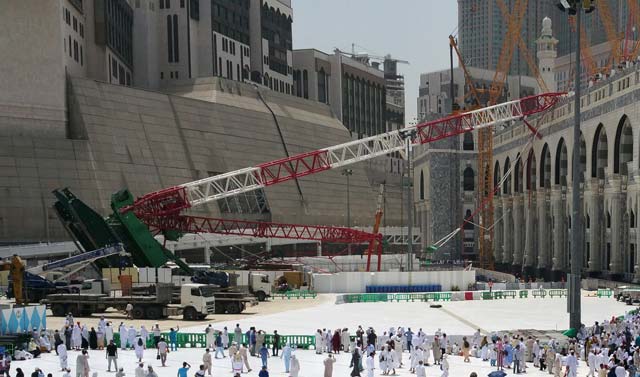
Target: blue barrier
point(403, 288)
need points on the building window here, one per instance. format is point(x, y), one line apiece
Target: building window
point(75, 51)
point(114, 67)
point(468, 180)
point(81, 30)
point(81, 56)
point(177, 76)
point(70, 52)
point(128, 78)
point(161, 75)
point(238, 77)
point(171, 74)
point(176, 46)
point(421, 185)
point(169, 38)
point(181, 3)
point(467, 143)
point(161, 4)
point(168, 4)
point(75, 24)
point(322, 86)
point(305, 83)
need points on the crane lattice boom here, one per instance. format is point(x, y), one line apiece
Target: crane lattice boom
point(162, 209)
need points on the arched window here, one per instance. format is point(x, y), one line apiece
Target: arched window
point(632, 219)
point(467, 142)
point(467, 224)
point(468, 180)
point(608, 220)
point(421, 185)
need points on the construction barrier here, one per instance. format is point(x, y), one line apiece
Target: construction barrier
point(298, 294)
point(459, 296)
point(607, 292)
point(199, 340)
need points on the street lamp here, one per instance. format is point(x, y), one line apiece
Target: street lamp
point(348, 173)
point(573, 296)
point(409, 136)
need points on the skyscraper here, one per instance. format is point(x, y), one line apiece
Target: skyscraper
point(482, 28)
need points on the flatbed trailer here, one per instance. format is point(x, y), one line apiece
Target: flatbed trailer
point(85, 304)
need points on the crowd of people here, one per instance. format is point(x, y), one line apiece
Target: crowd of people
point(609, 349)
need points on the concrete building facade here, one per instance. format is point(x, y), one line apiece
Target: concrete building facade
point(355, 90)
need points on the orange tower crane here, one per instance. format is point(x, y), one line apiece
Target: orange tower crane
point(485, 136)
point(376, 243)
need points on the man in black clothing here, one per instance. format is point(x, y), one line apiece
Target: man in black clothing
point(112, 355)
point(276, 343)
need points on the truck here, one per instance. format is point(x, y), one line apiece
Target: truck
point(257, 284)
point(196, 301)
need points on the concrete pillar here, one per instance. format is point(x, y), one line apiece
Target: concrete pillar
point(507, 230)
point(518, 233)
point(544, 236)
point(617, 210)
point(497, 230)
point(530, 209)
point(594, 199)
point(558, 231)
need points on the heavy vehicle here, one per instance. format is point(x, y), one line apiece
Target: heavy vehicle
point(196, 301)
point(629, 295)
point(258, 284)
point(31, 285)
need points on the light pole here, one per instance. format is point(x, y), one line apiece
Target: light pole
point(409, 136)
point(348, 173)
point(574, 278)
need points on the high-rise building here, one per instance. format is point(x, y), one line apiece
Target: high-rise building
point(482, 28)
point(354, 89)
point(271, 44)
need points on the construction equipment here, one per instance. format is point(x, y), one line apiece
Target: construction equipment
point(485, 137)
point(15, 266)
point(467, 77)
point(134, 222)
point(34, 284)
point(376, 243)
point(613, 37)
point(196, 301)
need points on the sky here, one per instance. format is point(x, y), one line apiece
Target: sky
point(413, 30)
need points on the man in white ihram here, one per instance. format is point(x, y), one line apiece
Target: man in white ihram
point(572, 365)
point(591, 359)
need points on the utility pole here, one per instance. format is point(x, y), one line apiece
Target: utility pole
point(348, 173)
point(574, 279)
point(409, 136)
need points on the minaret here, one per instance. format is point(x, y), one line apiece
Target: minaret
point(547, 54)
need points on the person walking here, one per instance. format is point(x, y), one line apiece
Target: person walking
point(264, 354)
point(163, 349)
point(210, 337)
point(328, 365)
point(445, 365)
point(237, 334)
point(139, 349)
point(108, 333)
point(465, 349)
point(173, 338)
point(236, 363)
point(225, 338)
point(355, 364)
point(370, 364)
point(420, 370)
point(62, 355)
point(275, 348)
point(245, 358)
point(112, 356)
point(129, 310)
point(295, 366)
point(206, 360)
point(82, 364)
point(263, 372)
point(286, 357)
point(219, 346)
point(516, 360)
point(122, 330)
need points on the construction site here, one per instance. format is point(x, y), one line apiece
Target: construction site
point(217, 199)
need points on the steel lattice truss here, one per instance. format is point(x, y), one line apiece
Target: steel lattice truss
point(162, 209)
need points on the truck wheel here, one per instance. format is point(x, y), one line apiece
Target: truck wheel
point(153, 312)
point(261, 296)
point(233, 308)
point(58, 310)
point(137, 312)
point(75, 310)
point(189, 314)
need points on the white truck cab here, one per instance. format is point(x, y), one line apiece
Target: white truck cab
point(259, 285)
point(197, 300)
